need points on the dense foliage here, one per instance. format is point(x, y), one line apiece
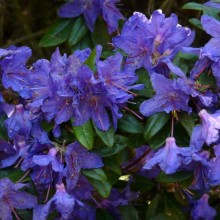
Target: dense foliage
point(121, 121)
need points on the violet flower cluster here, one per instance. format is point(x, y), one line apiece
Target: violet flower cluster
point(67, 92)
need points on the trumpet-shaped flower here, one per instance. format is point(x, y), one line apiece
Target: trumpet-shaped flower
point(169, 158)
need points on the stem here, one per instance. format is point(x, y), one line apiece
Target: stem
point(172, 125)
point(16, 215)
point(48, 192)
point(24, 176)
point(133, 112)
point(137, 160)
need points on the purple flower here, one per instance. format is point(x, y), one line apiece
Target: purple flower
point(167, 97)
point(209, 54)
point(212, 4)
point(12, 198)
point(96, 103)
point(40, 82)
point(209, 129)
point(202, 210)
point(214, 172)
point(111, 14)
point(154, 39)
point(77, 158)
point(15, 74)
point(18, 121)
point(90, 9)
point(65, 204)
point(169, 158)
point(117, 81)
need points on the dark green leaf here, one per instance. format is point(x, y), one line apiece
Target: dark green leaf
point(128, 212)
point(57, 33)
point(176, 177)
point(121, 142)
point(86, 42)
point(187, 121)
point(12, 173)
point(130, 124)
point(101, 36)
point(152, 208)
point(91, 61)
point(173, 208)
point(162, 216)
point(159, 139)
point(113, 164)
point(84, 134)
point(102, 187)
point(154, 124)
point(193, 6)
point(3, 131)
point(196, 22)
point(141, 183)
point(97, 174)
point(79, 30)
point(106, 136)
point(143, 78)
point(102, 214)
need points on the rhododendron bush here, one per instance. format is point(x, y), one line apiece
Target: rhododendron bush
point(117, 118)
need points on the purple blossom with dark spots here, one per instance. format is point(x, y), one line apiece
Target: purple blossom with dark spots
point(14, 72)
point(154, 39)
point(167, 97)
point(12, 198)
point(117, 81)
point(65, 204)
point(18, 122)
point(78, 157)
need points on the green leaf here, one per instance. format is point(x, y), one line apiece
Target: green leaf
point(57, 33)
point(79, 30)
point(159, 139)
point(97, 174)
point(176, 177)
point(121, 142)
point(193, 6)
point(152, 208)
point(84, 134)
point(3, 131)
point(162, 216)
point(14, 174)
point(91, 61)
point(113, 164)
point(173, 208)
point(102, 214)
point(86, 42)
point(144, 78)
point(187, 121)
point(130, 124)
point(128, 212)
point(102, 187)
point(196, 22)
point(141, 183)
point(100, 35)
point(106, 136)
point(154, 124)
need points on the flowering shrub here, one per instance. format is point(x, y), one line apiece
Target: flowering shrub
point(124, 127)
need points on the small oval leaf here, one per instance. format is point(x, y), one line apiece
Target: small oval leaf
point(84, 134)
